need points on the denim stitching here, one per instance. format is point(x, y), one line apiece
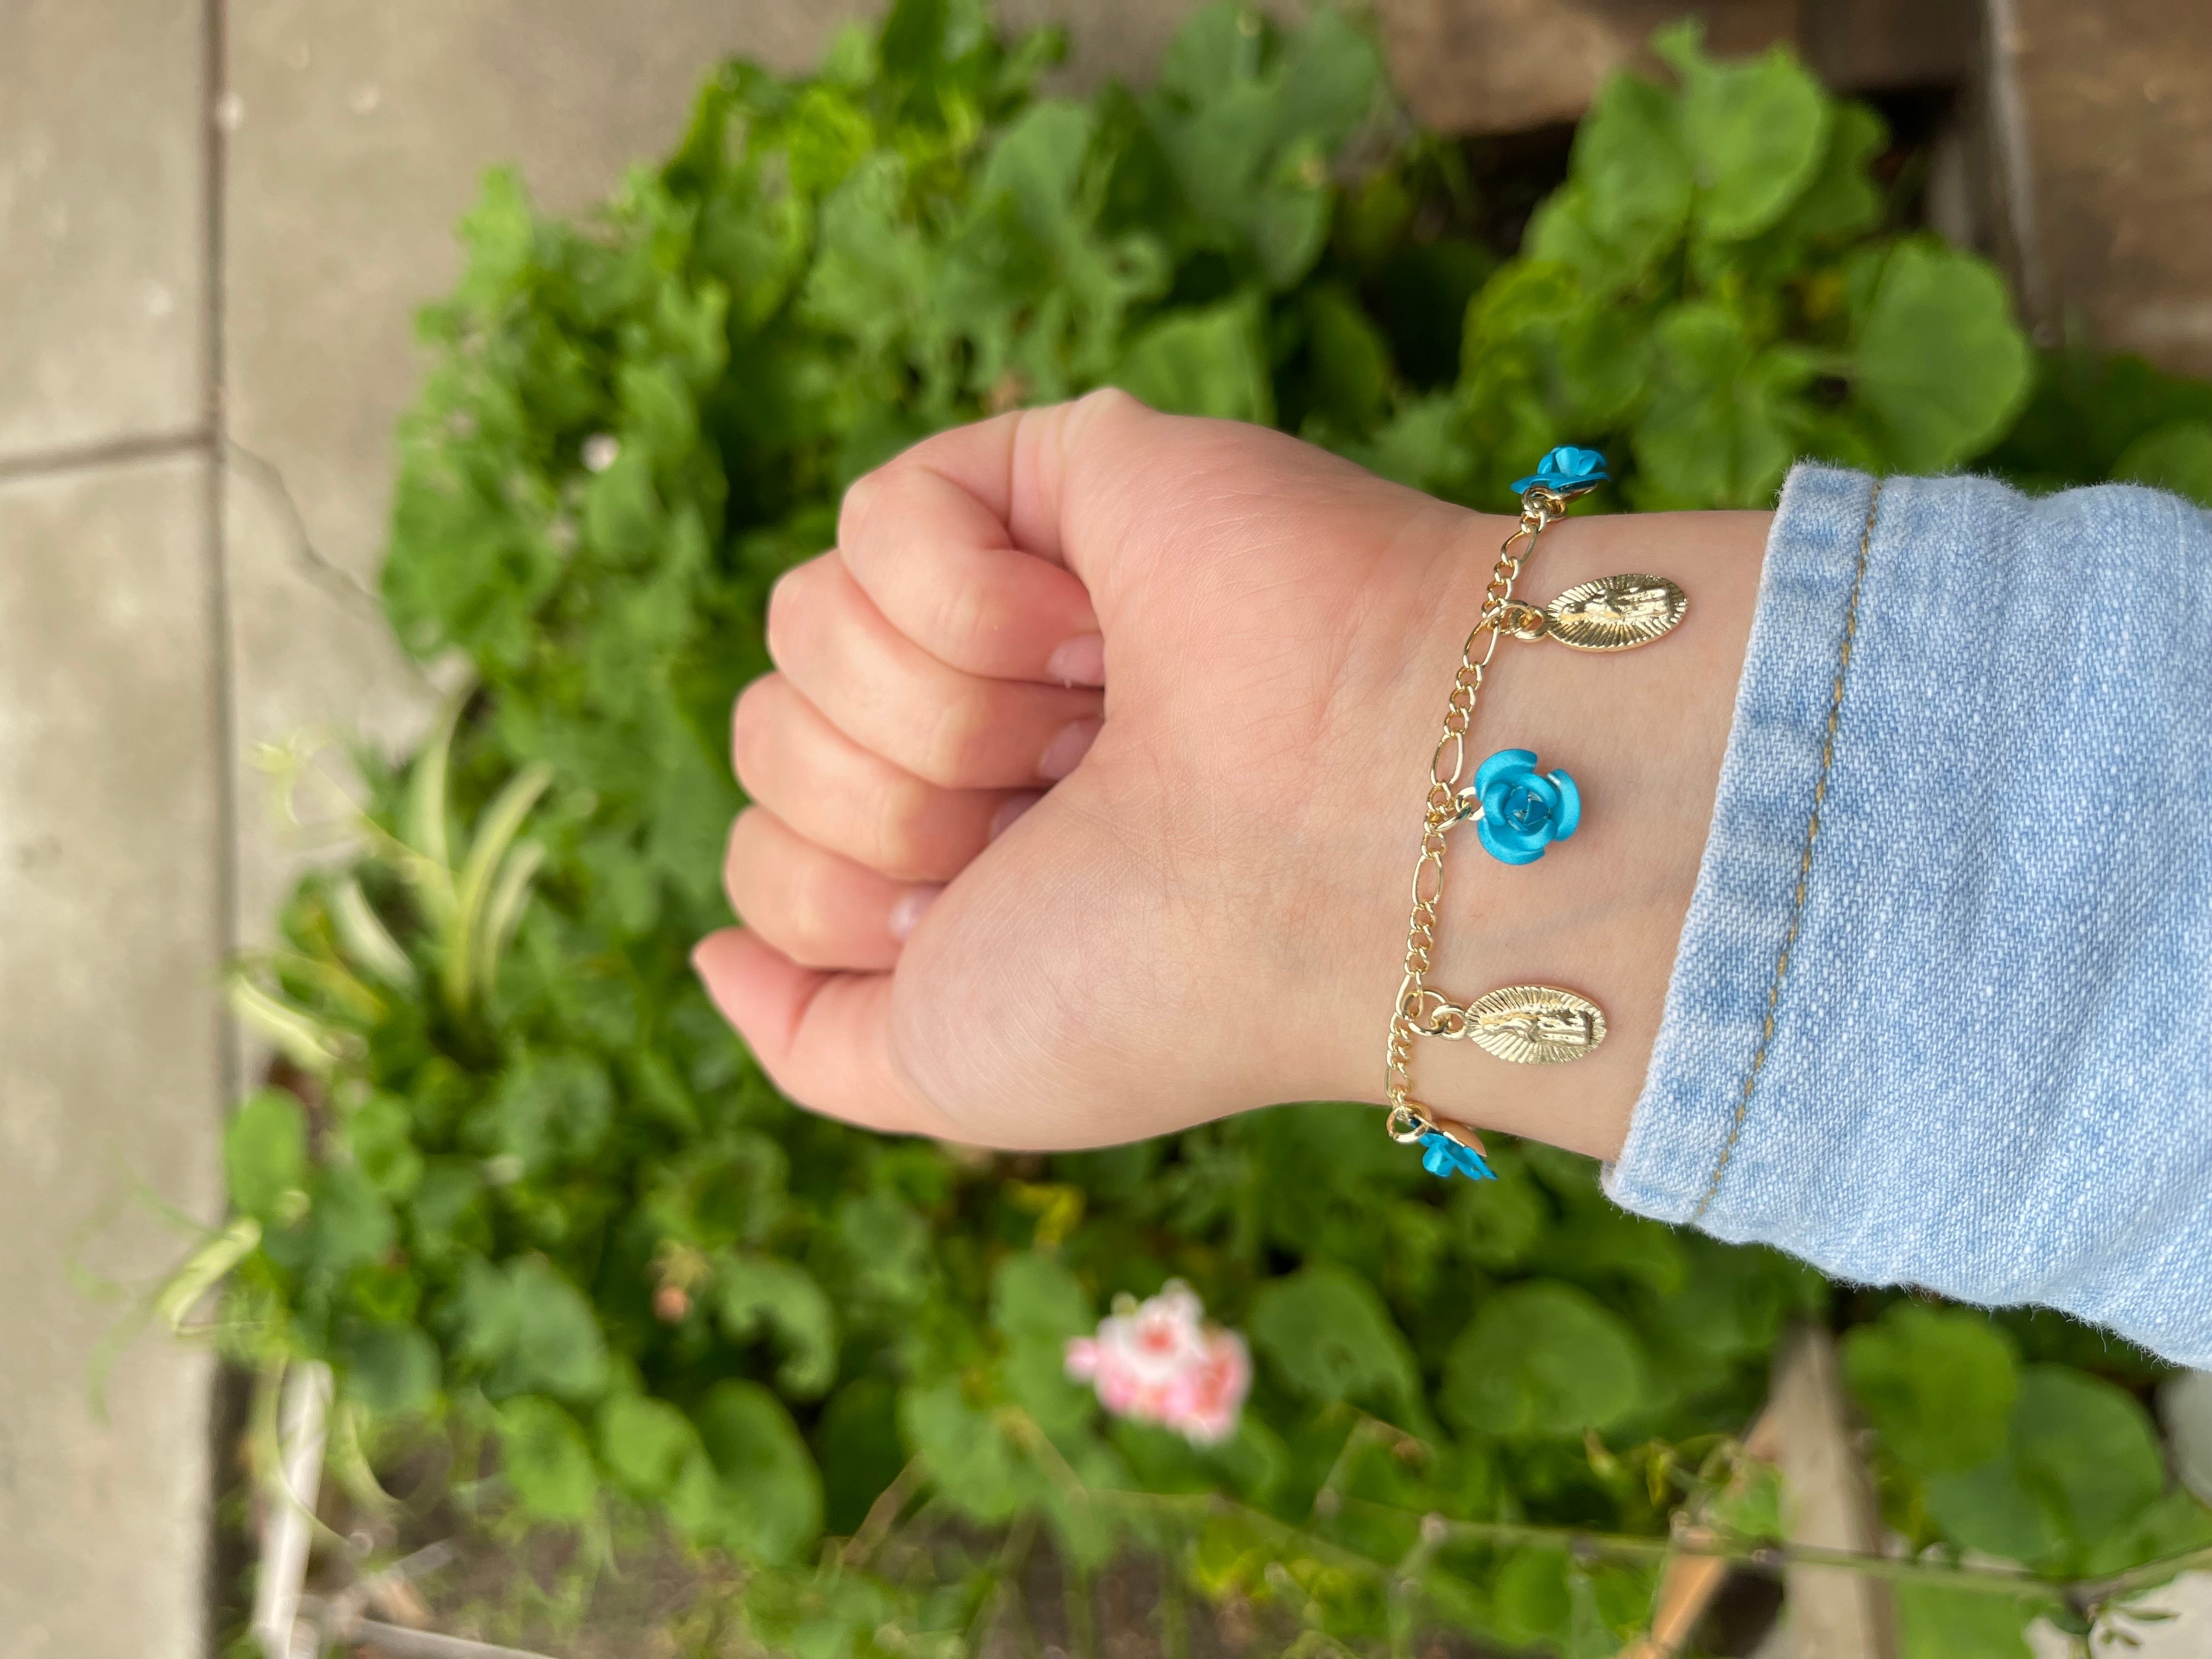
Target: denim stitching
point(1805, 866)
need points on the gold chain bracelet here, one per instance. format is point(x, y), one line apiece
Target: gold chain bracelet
point(1519, 811)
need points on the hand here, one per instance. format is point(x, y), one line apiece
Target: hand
point(1089, 788)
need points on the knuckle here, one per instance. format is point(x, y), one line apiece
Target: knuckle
point(958, 743)
point(861, 498)
point(966, 623)
point(752, 722)
point(897, 840)
point(810, 917)
point(1111, 402)
point(736, 862)
point(795, 604)
point(783, 600)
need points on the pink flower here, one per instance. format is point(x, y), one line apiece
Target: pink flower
point(1157, 1361)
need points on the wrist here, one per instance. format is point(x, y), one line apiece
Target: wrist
point(1641, 732)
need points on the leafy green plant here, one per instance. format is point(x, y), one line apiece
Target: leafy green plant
point(522, 1184)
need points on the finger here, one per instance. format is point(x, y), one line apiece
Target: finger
point(888, 694)
point(1022, 468)
point(843, 797)
point(942, 567)
point(822, 1038)
point(818, 909)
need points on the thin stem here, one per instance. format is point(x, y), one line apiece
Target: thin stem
point(1175, 1612)
point(1699, 1541)
point(1080, 1596)
point(877, 1524)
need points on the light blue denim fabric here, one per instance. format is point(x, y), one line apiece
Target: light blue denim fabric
point(1988, 1065)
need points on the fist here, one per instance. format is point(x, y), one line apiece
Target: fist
point(1089, 783)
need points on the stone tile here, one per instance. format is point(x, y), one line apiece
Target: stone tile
point(362, 133)
point(311, 659)
point(102, 237)
point(110, 1089)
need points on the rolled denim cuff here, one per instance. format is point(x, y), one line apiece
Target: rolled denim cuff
point(1942, 1012)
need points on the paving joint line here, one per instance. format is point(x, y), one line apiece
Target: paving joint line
point(221, 1563)
point(108, 452)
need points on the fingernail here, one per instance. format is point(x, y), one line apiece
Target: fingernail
point(1079, 661)
point(1010, 809)
point(1067, 748)
point(909, 909)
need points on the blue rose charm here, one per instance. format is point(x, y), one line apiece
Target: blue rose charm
point(1523, 810)
point(1443, 1155)
point(1565, 471)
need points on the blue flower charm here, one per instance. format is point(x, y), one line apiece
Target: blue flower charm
point(1523, 811)
point(1565, 471)
point(1443, 1155)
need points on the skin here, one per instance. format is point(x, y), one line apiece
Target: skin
point(1089, 788)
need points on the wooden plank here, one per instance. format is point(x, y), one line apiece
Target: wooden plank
point(2101, 120)
point(1477, 66)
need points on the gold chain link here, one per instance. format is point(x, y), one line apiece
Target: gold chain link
point(1420, 1011)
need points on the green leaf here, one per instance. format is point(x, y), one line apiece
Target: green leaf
point(390, 1369)
point(1351, 372)
point(771, 1503)
point(348, 1222)
point(887, 1244)
point(967, 1454)
point(1992, 1509)
point(422, 824)
point(368, 942)
point(1037, 1306)
point(550, 1112)
point(1331, 76)
point(1720, 428)
point(1755, 132)
point(827, 136)
point(1248, 122)
point(2082, 1468)
point(2177, 456)
point(2088, 1449)
point(1938, 361)
point(1543, 1360)
point(546, 1460)
point(857, 1442)
point(503, 910)
point(2175, 1524)
point(380, 1132)
point(1938, 1623)
point(756, 1293)
point(265, 1155)
point(1034, 1298)
point(1628, 201)
point(1220, 45)
point(1842, 199)
point(1202, 362)
point(646, 1443)
point(467, 955)
point(1329, 1337)
point(1937, 1384)
point(530, 1329)
point(1530, 1597)
point(1497, 1229)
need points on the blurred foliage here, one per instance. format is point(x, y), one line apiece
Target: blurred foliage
point(523, 1184)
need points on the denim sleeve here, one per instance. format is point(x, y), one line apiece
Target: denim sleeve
point(1941, 1013)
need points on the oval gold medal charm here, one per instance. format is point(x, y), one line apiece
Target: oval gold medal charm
point(1535, 1024)
point(1614, 613)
